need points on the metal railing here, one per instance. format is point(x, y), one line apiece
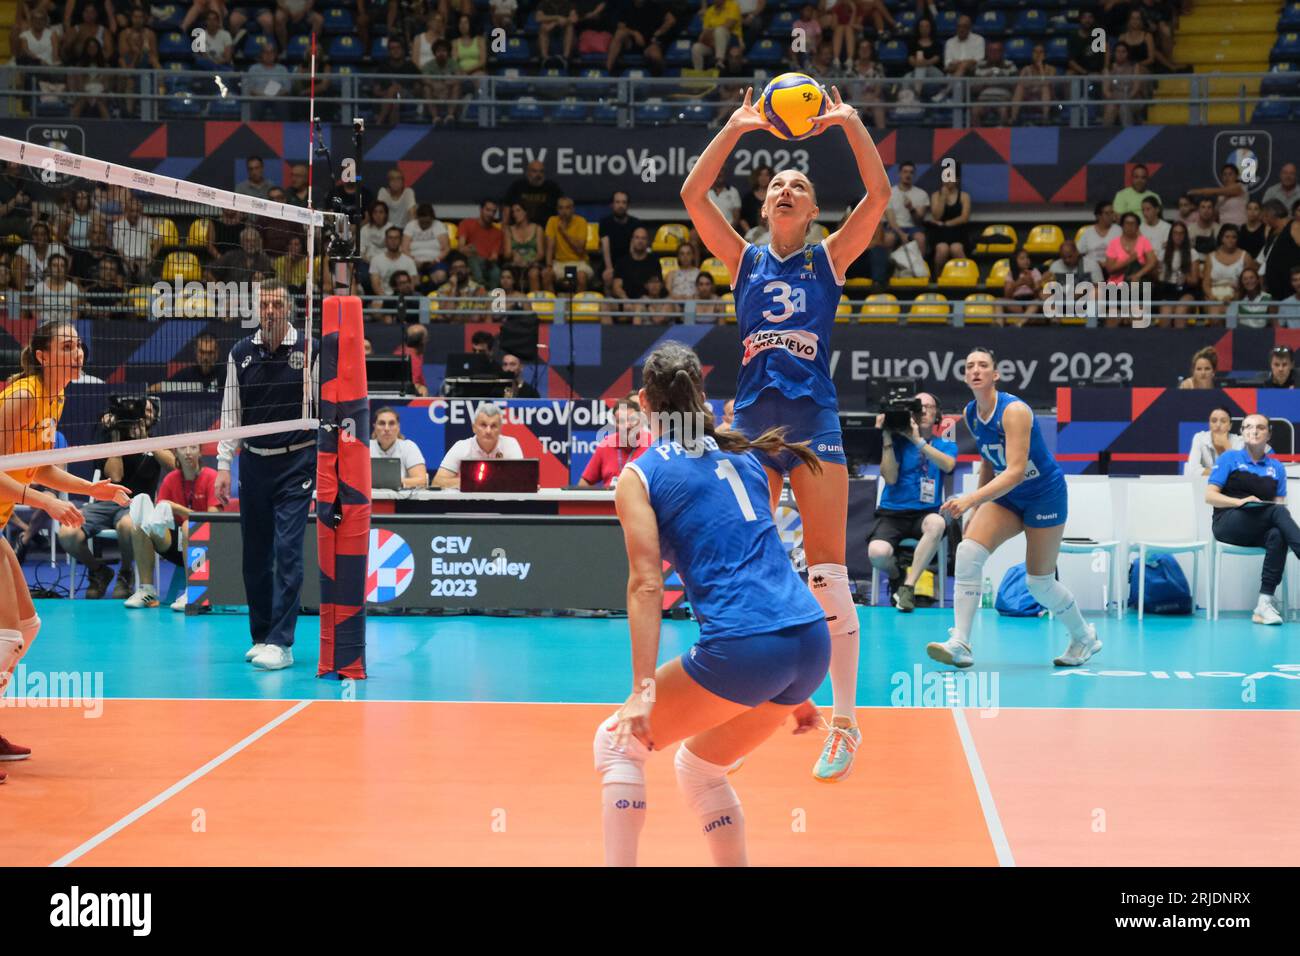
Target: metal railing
point(629, 102)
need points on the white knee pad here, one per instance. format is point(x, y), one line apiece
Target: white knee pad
point(30, 628)
point(969, 565)
point(626, 765)
point(829, 584)
point(703, 784)
point(11, 652)
point(1049, 592)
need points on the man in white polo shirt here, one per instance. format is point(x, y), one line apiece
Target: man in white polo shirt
point(488, 442)
point(963, 52)
point(908, 204)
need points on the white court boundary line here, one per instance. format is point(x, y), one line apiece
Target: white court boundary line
point(176, 788)
point(997, 834)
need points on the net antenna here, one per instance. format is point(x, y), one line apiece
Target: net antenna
point(110, 242)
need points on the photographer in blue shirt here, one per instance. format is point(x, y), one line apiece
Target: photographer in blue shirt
point(912, 465)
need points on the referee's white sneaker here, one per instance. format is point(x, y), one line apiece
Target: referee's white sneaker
point(1266, 613)
point(273, 658)
point(1080, 649)
point(254, 652)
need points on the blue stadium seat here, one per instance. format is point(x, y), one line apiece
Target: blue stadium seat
point(906, 20)
point(169, 17)
point(379, 49)
point(991, 25)
point(338, 22)
point(344, 49)
point(679, 54)
point(174, 46)
point(176, 77)
point(892, 54)
point(605, 113)
point(299, 47)
point(700, 113)
point(652, 114)
point(764, 52)
point(553, 88)
point(1290, 17)
point(1031, 23)
point(1272, 110)
point(526, 110)
point(182, 105)
point(696, 26)
point(1059, 26)
point(530, 25)
point(252, 47)
point(1019, 51)
point(511, 86)
point(781, 24)
point(516, 52)
point(570, 111)
point(946, 25)
point(227, 108)
point(1058, 51)
point(1287, 47)
point(1282, 80)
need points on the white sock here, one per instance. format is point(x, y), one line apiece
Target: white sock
point(969, 563)
point(710, 795)
point(623, 817)
point(150, 589)
point(1056, 597)
point(829, 584)
point(12, 648)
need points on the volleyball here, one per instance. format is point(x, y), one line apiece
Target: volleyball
point(790, 102)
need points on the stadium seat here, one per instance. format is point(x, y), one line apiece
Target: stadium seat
point(570, 111)
point(252, 48)
point(168, 17)
point(906, 20)
point(605, 114)
point(174, 46)
point(979, 309)
point(181, 104)
point(946, 25)
point(764, 52)
point(880, 309)
point(679, 53)
point(140, 299)
point(1287, 47)
point(959, 272)
point(182, 265)
point(857, 285)
point(299, 47)
point(593, 237)
point(991, 25)
point(1290, 17)
point(1078, 234)
point(997, 277)
point(1019, 51)
point(338, 22)
point(653, 112)
point(453, 236)
point(525, 110)
point(714, 267)
point(543, 304)
point(199, 232)
point(344, 49)
point(929, 308)
point(509, 86)
point(587, 307)
point(517, 52)
point(667, 266)
point(1044, 240)
point(1283, 80)
point(1271, 109)
point(779, 27)
point(844, 311)
point(892, 55)
point(1031, 23)
point(919, 282)
point(433, 302)
point(167, 232)
point(997, 239)
point(729, 308)
point(668, 237)
point(1058, 51)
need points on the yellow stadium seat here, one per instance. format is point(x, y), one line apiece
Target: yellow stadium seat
point(1044, 240)
point(667, 266)
point(452, 231)
point(881, 308)
point(668, 237)
point(543, 304)
point(729, 308)
point(182, 265)
point(433, 301)
point(816, 233)
point(844, 311)
point(167, 232)
point(13, 239)
point(199, 232)
point(141, 300)
point(593, 238)
point(920, 282)
point(998, 239)
point(929, 308)
point(1079, 233)
point(959, 272)
point(857, 285)
point(715, 268)
point(587, 307)
point(998, 275)
point(980, 309)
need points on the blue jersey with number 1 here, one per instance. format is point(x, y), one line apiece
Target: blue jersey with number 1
point(786, 310)
point(716, 528)
point(1041, 470)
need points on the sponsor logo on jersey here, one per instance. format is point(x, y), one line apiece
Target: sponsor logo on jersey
point(835, 449)
point(800, 343)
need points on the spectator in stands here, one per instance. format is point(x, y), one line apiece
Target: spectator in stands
point(1288, 309)
point(616, 234)
point(1070, 263)
point(1204, 229)
point(76, 216)
point(842, 27)
point(392, 91)
point(482, 342)
point(1221, 274)
point(1187, 207)
point(923, 50)
point(32, 260)
point(40, 44)
point(739, 76)
point(56, 297)
point(642, 27)
point(633, 269)
point(1205, 364)
point(1247, 489)
point(256, 184)
point(435, 29)
point(1285, 189)
point(1253, 308)
point(10, 295)
point(481, 240)
point(625, 441)
point(950, 211)
point(349, 197)
point(1036, 87)
point(1096, 239)
point(1024, 285)
point(823, 63)
point(224, 233)
point(1253, 232)
point(994, 68)
point(1231, 196)
point(248, 263)
point(386, 441)
point(1124, 83)
point(595, 27)
point(720, 28)
point(15, 200)
point(403, 307)
point(372, 232)
point(1130, 198)
point(1281, 369)
point(681, 281)
point(441, 86)
point(90, 84)
point(1141, 47)
point(1153, 227)
point(726, 197)
point(461, 285)
point(539, 195)
point(207, 372)
point(487, 442)
point(503, 14)
point(393, 259)
point(86, 262)
point(512, 366)
point(1129, 256)
point(106, 294)
point(525, 246)
point(1281, 249)
point(427, 242)
point(142, 40)
point(469, 49)
point(708, 306)
point(199, 10)
point(554, 15)
point(728, 413)
point(964, 51)
point(806, 36)
point(865, 83)
point(291, 268)
point(1178, 276)
point(751, 204)
point(265, 81)
point(217, 43)
point(566, 247)
point(298, 16)
point(398, 197)
point(1210, 445)
point(417, 336)
point(659, 309)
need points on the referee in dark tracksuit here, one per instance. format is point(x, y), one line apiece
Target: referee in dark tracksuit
point(264, 383)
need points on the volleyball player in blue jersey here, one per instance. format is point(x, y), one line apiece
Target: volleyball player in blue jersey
point(1021, 488)
point(787, 293)
point(697, 501)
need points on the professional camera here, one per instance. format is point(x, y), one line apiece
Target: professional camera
point(569, 284)
point(126, 415)
point(900, 408)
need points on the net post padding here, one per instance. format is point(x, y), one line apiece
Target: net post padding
point(343, 489)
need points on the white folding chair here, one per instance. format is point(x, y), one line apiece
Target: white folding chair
point(940, 555)
point(1222, 548)
point(1161, 519)
point(1090, 529)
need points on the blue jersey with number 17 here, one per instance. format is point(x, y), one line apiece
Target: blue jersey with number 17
point(786, 310)
point(1040, 470)
point(715, 527)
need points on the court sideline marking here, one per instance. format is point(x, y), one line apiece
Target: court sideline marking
point(177, 787)
point(991, 819)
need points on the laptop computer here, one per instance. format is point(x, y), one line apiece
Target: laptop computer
point(386, 473)
point(471, 365)
point(501, 475)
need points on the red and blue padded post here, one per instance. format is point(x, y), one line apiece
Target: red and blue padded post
point(343, 489)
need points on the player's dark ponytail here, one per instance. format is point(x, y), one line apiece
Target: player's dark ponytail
point(673, 382)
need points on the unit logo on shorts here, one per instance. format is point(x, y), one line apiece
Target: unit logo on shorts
point(391, 569)
point(801, 344)
point(1045, 517)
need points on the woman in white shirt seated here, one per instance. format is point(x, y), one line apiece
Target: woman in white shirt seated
point(488, 442)
point(387, 442)
point(1207, 446)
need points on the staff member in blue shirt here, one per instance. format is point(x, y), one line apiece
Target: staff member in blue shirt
point(913, 468)
point(264, 384)
point(1248, 491)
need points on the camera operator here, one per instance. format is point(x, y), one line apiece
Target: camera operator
point(912, 465)
point(126, 419)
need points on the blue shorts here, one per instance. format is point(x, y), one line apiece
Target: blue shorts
point(1039, 508)
point(803, 419)
point(784, 667)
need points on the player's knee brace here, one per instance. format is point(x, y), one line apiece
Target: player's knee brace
point(704, 785)
point(1049, 592)
point(11, 651)
point(969, 564)
point(615, 765)
point(829, 584)
point(29, 628)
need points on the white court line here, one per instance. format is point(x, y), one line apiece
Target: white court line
point(176, 788)
point(991, 818)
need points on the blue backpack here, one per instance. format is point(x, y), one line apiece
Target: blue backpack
point(1166, 586)
point(1014, 599)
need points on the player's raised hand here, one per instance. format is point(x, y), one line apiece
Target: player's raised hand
point(747, 115)
point(107, 491)
point(837, 113)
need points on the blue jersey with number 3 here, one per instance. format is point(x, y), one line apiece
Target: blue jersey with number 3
point(716, 528)
point(786, 309)
point(991, 438)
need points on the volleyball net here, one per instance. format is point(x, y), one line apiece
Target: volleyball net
point(160, 278)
